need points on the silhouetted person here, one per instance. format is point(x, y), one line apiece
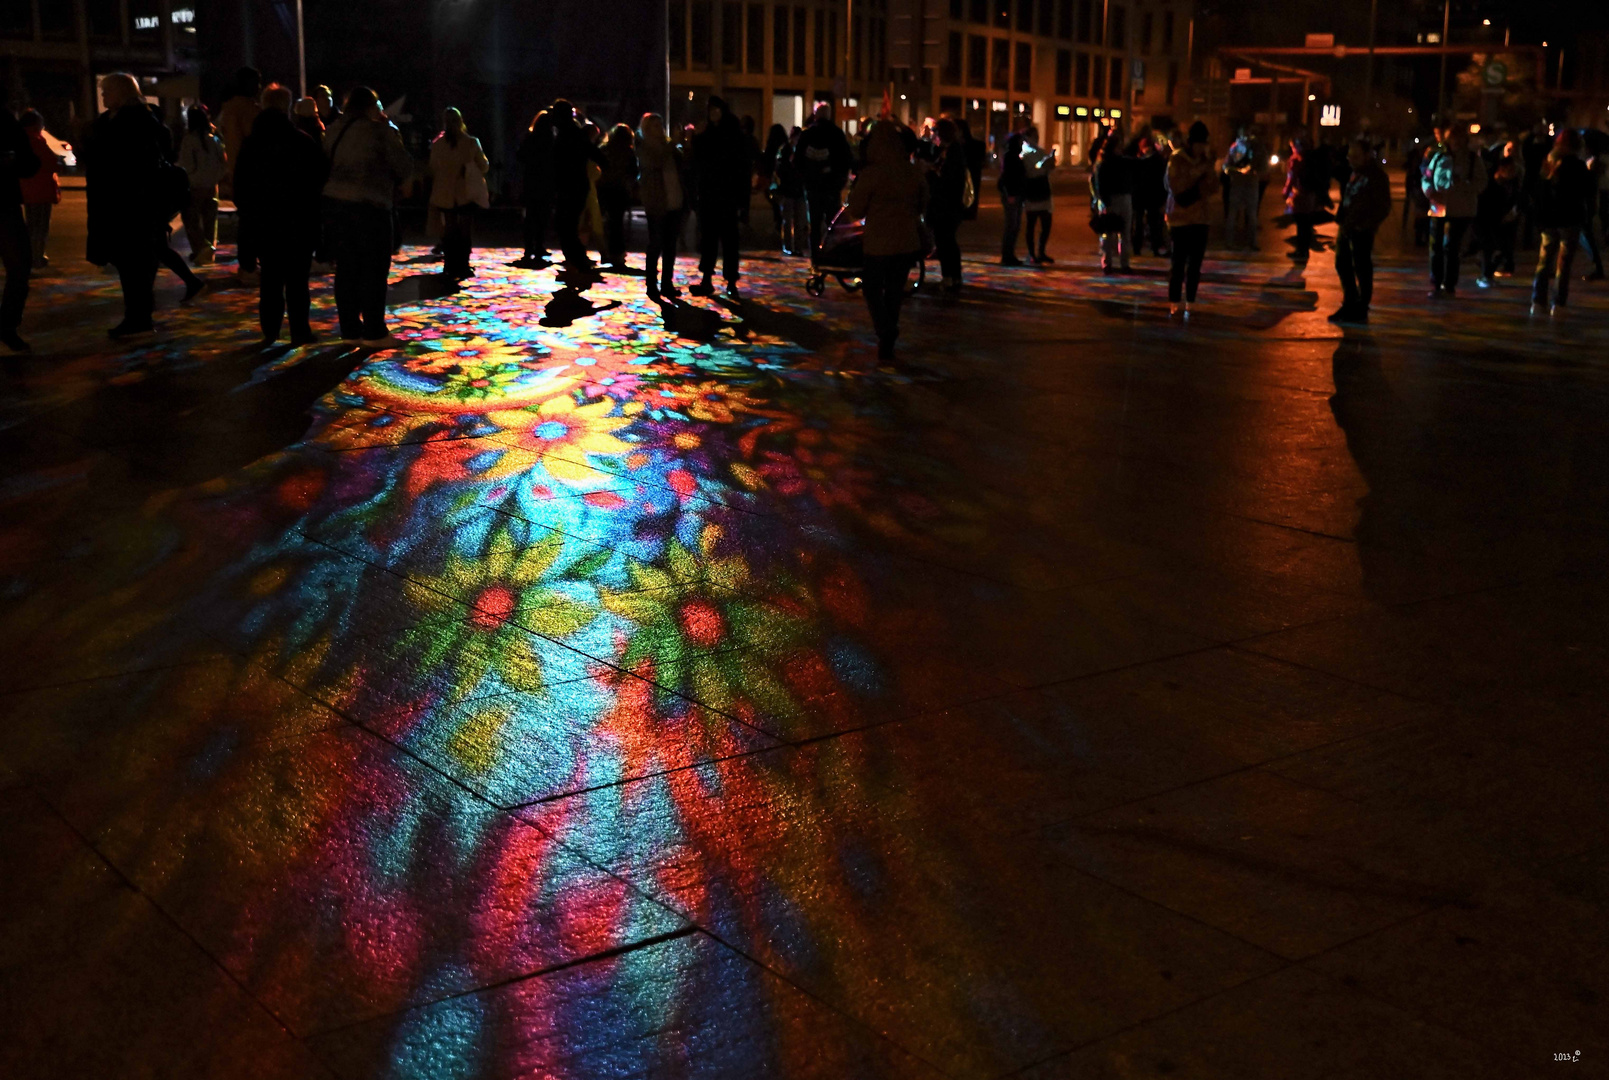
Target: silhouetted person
point(535, 156)
point(1563, 188)
point(1010, 183)
point(121, 169)
point(823, 159)
point(947, 201)
point(660, 181)
point(1365, 205)
point(17, 162)
point(1190, 177)
point(721, 158)
point(1454, 178)
point(890, 194)
point(201, 156)
point(278, 181)
point(571, 152)
point(1037, 205)
point(368, 162)
point(1111, 185)
point(235, 117)
point(41, 192)
point(165, 255)
point(617, 190)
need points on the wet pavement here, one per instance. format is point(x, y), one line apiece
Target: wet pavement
point(584, 691)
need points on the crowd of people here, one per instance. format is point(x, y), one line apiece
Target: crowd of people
point(316, 184)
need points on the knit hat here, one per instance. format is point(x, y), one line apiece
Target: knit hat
point(1198, 132)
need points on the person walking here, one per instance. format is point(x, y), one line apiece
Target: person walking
point(787, 186)
point(1150, 168)
point(889, 193)
point(535, 157)
point(235, 118)
point(1190, 178)
point(1009, 184)
point(721, 157)
point(1497, 214)
point(1563, 189)
point(1365, 205)
point(41, 192)
point(1454, 178)
point(1037, 206)
point(1110, 184)
point(948, 195)
point(1241, 169)
point(18, 162)
point(278, 179)
point(660, 184)
point(1595, 229)
point(368, 163)
point(823, 158)
point(457, 171)
point(1307, 195)
point(202, 157)
point(122, 180)
point(570, 155)
point(617, 191)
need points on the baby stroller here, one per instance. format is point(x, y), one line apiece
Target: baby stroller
point(841, 256)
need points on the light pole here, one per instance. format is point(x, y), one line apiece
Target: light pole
point(301, 51)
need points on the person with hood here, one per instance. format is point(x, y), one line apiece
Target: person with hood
point(18, 162)
point(202, 157)
point(368, 163)
point(1455, 176)
point(1365, 205)
point(1110, 185)
point(823, 158)
point(1244, 175)
point(235, 118)
point(787, 188)
point(122, 180)
point(278, 179)
point(535, 156)
point(659, 184)
point(457, 169)
point(721, 158)
point(1010, 183)
point(1563, 187)
point(617, 190)
point(41, 192)
point(570, 154)
point(1190, 178)
point(890, 193)
point(947, 201)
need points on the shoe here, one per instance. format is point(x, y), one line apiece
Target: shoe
point(1596, 275)
point(1536, 309)
point(1435, 294)
point(731, 290)
point(1341, 316)
point(123, 331)
point(11, 341)
point(670, 292)
point(390, 341)
point(193, 291)
point(1187, 310)
point(653, 293)
point(1045, 260)
point(1556, 311)
point(1175, 310)
point(1483, 282)
point(301, 341)
point(1010, 260)
point(1360, 316)
point(703, 288)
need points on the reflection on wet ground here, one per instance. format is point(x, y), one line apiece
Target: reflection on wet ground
point(593, 689)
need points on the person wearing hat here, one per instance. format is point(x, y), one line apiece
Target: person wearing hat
point(1190, 180)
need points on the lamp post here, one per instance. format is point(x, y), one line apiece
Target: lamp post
point(301, 52)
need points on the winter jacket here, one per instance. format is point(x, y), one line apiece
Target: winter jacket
point(456, 169)
point(1240, 166)
point(659, 178)
point(1188, 172)
point(619, 178)
point(1365, 198)
point(202, 157)
point(721, 160)
point(367, 161)
point(278, 178)
point(1561, 198)
point(947, 184)
point(1112, 176)
point(122, 164)
point(42, 188)
point(535, 156)
point(785, 178)
point(1454, 180)
point(889, 193)
point(1012, 174)
point(1150, 180)
point(823, 157)
point(571, 152)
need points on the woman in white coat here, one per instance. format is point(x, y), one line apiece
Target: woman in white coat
point(457, 187)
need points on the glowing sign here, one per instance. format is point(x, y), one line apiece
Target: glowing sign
point(146, 22)
point(1063, 111)
point(1329, 116)
point(183, 16)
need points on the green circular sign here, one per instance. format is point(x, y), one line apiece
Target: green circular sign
point(1496, 73)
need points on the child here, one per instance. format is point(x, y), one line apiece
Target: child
point(201, 154)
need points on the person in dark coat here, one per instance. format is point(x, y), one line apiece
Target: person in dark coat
point(122, 169)
point(1365, 205)
point(1011, 181)
point(975, 153)
point(946, 202)
point(571, 151)
point(278, 180)
point(1563, 188)
point(823, 157)
point(617, 191)
point(535, 156)
point(18, 161)
point(890, 193)
point(1150, 196)
point(721, 159)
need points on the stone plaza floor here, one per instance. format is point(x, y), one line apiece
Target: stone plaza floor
point(583, 691)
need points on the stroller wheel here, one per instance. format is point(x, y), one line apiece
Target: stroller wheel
point(816, 284)
point(850, 284)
